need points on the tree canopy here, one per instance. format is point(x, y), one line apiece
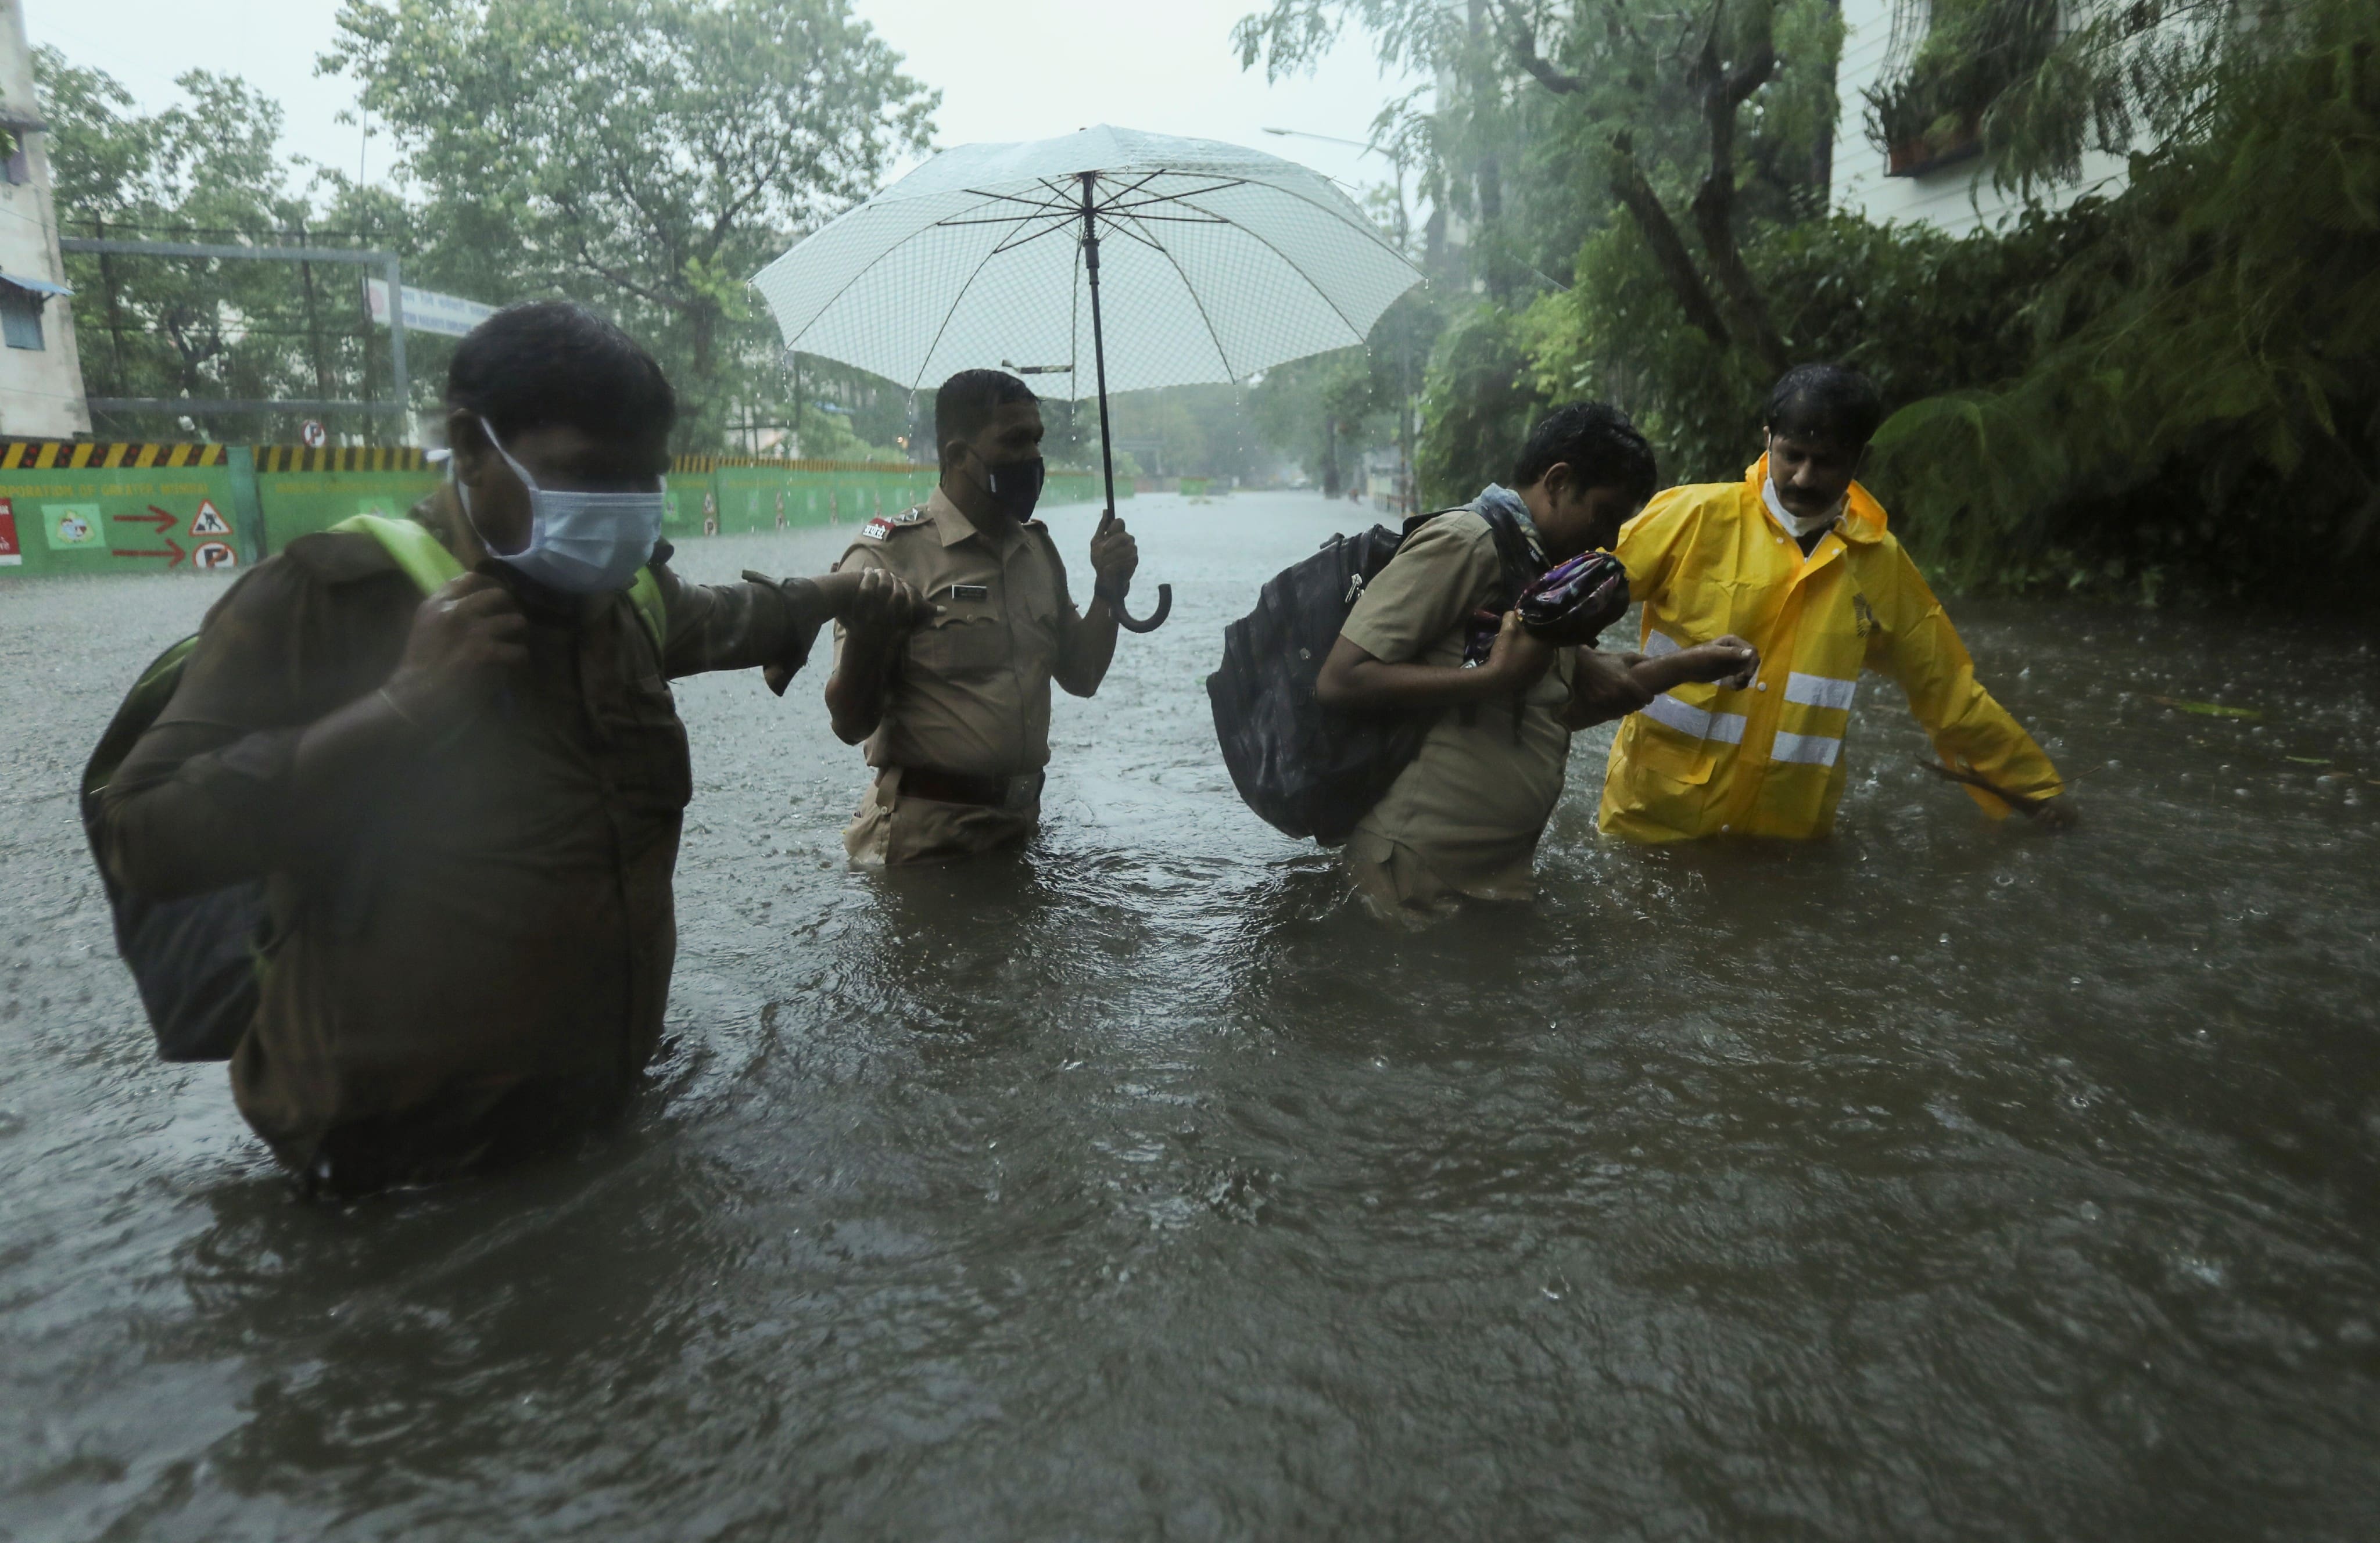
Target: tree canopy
point(646, 156)
point(2174, 386)
point(209, 171)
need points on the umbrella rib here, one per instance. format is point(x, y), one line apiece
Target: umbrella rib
point(865, 269)
point(1055, 202)
point(1118, 202)
point(955, 301)
point(1358, 225)
point(1353, 332)
point(1192, 290)
point(1119, 225)
point(1122, 193)
point(1010, 243)
point(1000, 220)
point(1171, 219)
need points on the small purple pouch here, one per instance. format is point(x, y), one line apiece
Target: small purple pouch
point(1575, 599)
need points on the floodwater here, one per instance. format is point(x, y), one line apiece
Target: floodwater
point(1940, 1180)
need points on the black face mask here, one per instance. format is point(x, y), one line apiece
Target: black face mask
point(1015, 487)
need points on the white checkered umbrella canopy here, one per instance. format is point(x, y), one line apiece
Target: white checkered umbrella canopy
point(1215, 262)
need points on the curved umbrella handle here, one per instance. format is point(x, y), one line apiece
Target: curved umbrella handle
point(1131, 624)
point(1116, 600)
point(1156, 618)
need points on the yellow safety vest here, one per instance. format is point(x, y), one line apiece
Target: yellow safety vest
point(1710, 560)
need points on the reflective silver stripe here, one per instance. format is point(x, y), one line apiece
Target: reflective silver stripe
point(1811, 750)
point(1667, 711)
point(1819, 690)
point(1659, 643)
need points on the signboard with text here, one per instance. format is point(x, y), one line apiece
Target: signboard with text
point(94, 520)
point(425, 311)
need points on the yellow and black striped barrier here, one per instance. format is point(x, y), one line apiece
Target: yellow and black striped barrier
point(66, 455)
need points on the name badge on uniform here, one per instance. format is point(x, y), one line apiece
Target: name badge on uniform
point(970, 591)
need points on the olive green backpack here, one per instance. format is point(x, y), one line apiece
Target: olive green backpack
point(195, 959)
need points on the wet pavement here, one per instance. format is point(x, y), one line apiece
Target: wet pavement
point(1944, 1179)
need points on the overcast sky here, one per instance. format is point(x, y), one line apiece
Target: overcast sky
point(1167, 66)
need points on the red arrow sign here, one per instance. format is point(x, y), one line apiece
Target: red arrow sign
point(156, 518)
point(176, 553)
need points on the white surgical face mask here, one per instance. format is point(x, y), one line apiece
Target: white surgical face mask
point(582, 543)
point(1800, 527)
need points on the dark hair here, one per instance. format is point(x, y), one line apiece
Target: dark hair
point(553, 361)
point(967, 400)
point(1830, 403)
point(1598, 443)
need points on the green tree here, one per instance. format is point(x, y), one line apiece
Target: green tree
point(645, 156)
point(209, 171)
point(1645, 154)
point(1607, 102)
point(2198, 399)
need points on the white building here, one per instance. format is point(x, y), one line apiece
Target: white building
point(40, 374)
point(1953, 194)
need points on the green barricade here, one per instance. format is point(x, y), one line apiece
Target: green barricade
point(90, 510)
point(67, 508)
point(302, 492)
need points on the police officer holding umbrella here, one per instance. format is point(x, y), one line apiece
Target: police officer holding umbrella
point(954, 710)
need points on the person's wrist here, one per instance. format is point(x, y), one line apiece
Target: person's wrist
point(810, 595)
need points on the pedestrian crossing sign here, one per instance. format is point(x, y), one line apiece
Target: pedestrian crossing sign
point(209, 521)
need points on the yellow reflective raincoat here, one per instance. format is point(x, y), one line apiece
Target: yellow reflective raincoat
point(1702, 760)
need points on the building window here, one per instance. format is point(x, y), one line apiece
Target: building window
point(21, 317)
point(13, 165)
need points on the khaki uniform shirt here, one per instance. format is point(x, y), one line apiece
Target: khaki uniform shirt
point(970, 693)
point(468, 941)
point(1465, 817)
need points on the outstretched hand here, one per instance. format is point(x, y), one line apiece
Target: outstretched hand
point(1730, 662)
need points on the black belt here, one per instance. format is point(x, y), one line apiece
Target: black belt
point(1022, 791)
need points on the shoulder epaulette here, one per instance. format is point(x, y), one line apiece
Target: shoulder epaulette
point(882, 525)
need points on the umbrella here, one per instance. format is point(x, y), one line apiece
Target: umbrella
point(1225, 261)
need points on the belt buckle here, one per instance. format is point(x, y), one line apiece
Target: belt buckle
point(1021, 791)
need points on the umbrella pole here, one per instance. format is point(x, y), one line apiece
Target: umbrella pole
point(1106, 447)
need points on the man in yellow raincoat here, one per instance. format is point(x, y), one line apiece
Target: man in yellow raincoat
point(1795, 559)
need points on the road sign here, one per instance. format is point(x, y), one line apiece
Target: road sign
point(11, 554)
point(312, 435)
point(68, 525)
point(209, 521)
point(425, 311)
point(211, 555)
point(159, 521)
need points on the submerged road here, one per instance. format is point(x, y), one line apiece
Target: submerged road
point(1940, 1180)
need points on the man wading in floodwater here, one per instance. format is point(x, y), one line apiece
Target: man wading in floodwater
point(1464, 817)
point(1795, 557)
point(956, 716)
point(468, 805)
